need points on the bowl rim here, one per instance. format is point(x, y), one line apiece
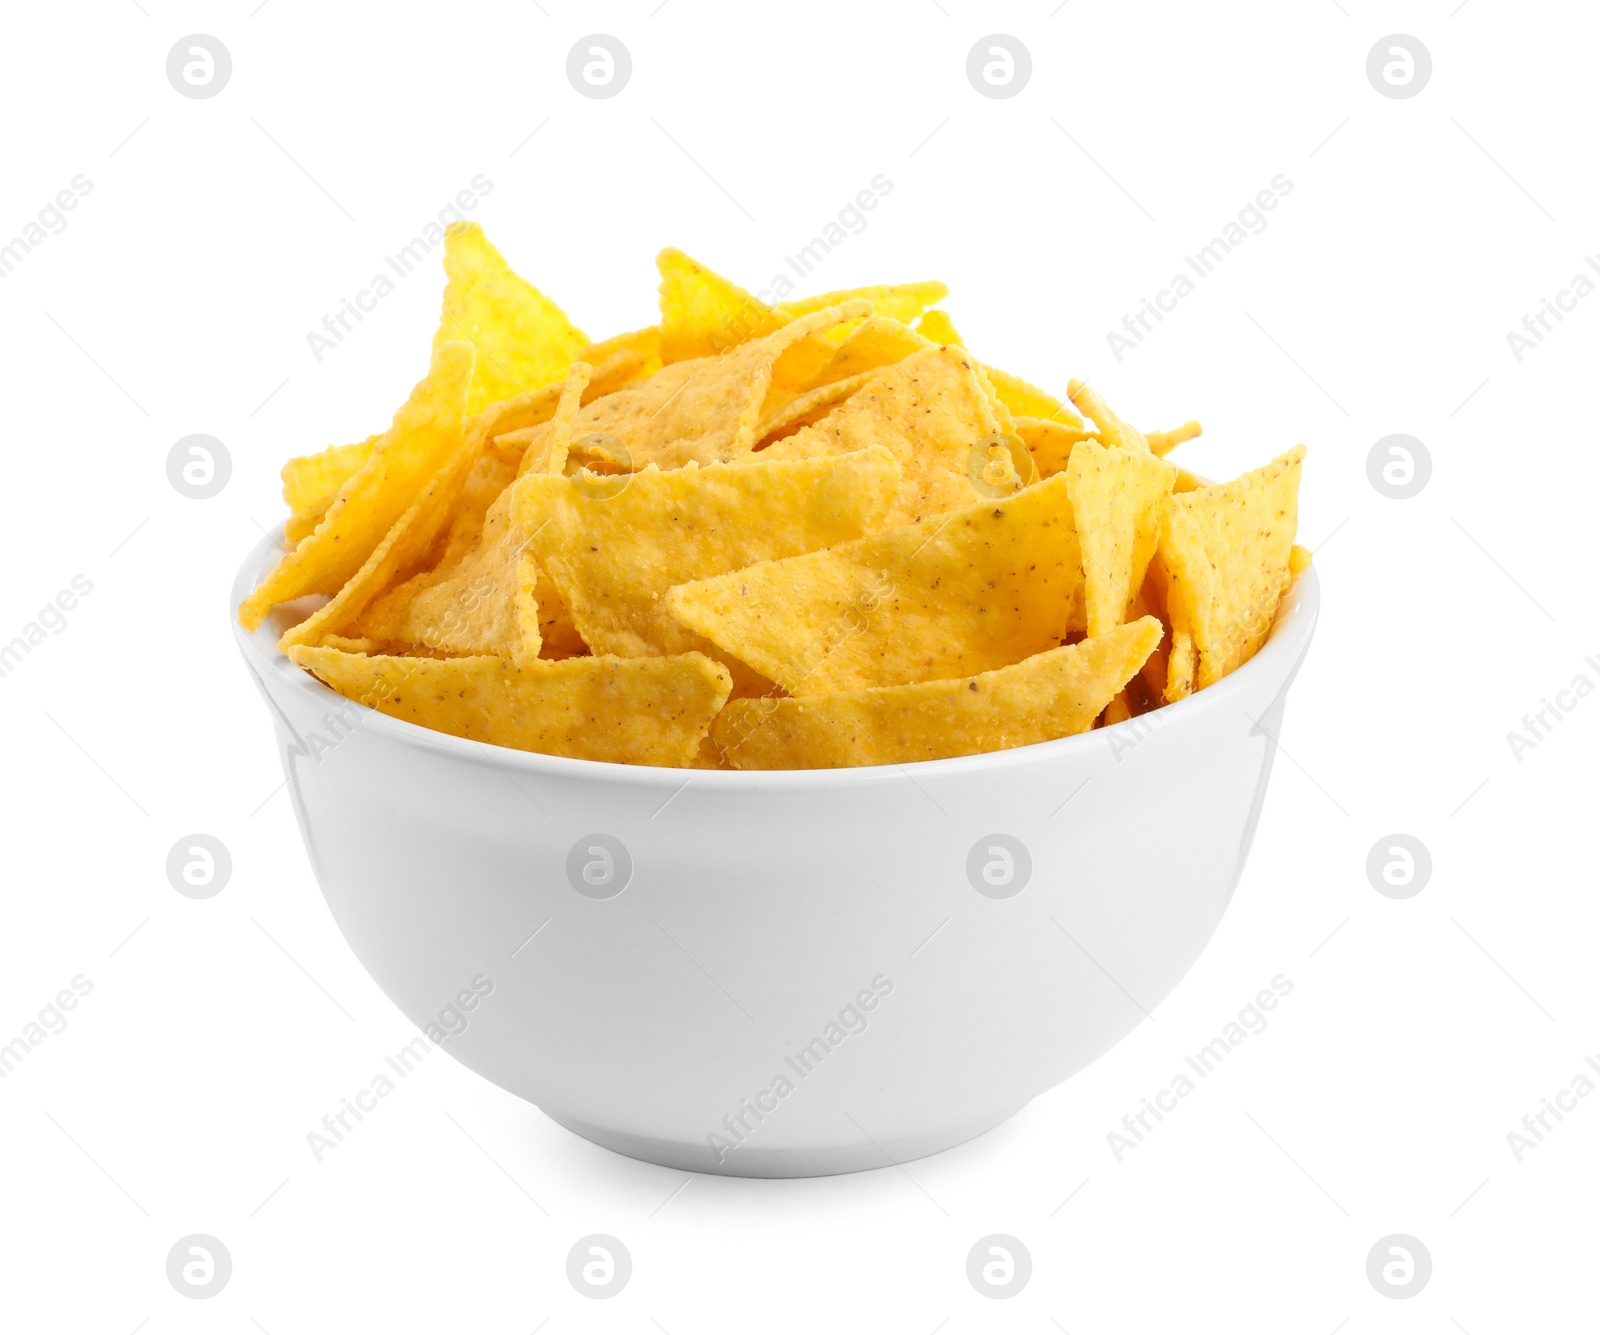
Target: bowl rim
point(1279, 657)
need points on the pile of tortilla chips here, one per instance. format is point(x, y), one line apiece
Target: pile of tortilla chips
point(815, 534)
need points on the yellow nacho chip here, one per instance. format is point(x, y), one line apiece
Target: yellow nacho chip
point(803, 409)
point(522, 338)
point(404, 548)
point(1052, 694)
point(935, 326)
point(641, 711)
point(705, 410)
point(1299, 560)
point(614, 546)
point(1227, 551)
point(426, 433)
point(1027, 400)
point(566, 412)
point(1050, 442)
point(1111, 429)
point(1117, 498)
point(1162, 443)
point(311, 482)
point(931, 410)
point(491, 601)
point(951, 596)
point(876, 341)
point(704, 314)
point(899, 301)
point(643, 343)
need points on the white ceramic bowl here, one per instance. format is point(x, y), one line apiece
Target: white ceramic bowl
point(800, 975)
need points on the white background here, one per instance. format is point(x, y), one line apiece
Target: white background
point(1418, 1033)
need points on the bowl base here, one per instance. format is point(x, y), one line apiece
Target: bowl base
point(750, 1161)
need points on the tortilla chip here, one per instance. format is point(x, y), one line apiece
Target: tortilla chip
point(1162, 443)
point(644, 343)
point(1052, 694)
point(1111, 429)
point(426, 433)
point(613, 554)
point(703, 314)
point(404, 549)
point(493, 601)
point(641, 711)
point(1050, 442)
point(1299, 560)
point(935, 326)
point(899, 301)
point(706, 410)
point(566, 412)
point(931, 410)
point(951, 596)
point(522, 338)
point(1027, 400)
point(311, 482)
point(804, 409)
point(1117, 500)
point(877, 341)
point(1227, 551)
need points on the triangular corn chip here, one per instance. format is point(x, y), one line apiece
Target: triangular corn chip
point(931, 410)
point(1050, 442)
point(641, 711)
point(707, 410)
point(875, 342)
point(936, 327)
point(404, 548)
point(1117, 497)
point(1053, 694)
point(703, 314)
point(1163, 443)
point(1228, 554)
point(951, 596)
point(614, 546)
point(645, 343)
point(899, 301)
point(311, 482)
point(804, 409)
point(1111, 429)
point(489, 602)
point(426, 433)
point(1027, 400)
point(522, 338)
